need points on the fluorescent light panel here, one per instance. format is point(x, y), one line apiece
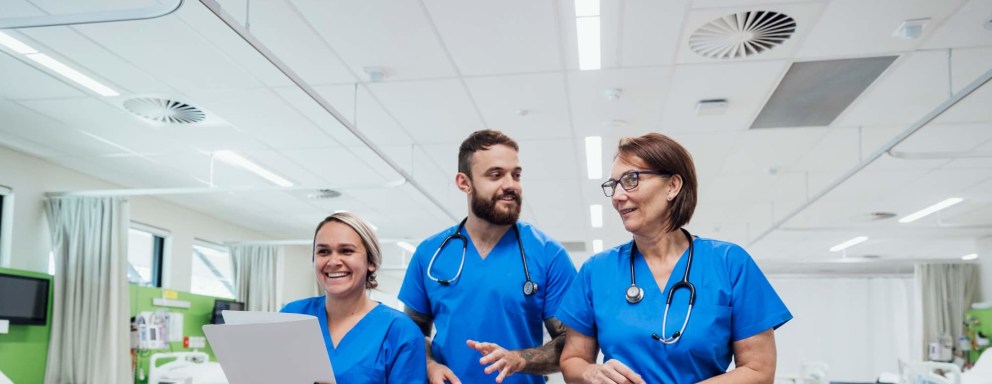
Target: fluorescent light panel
point(597, 246)
point(235, 159)
point(596, 215)
point(406, 246)
point(585, 8)
point(931, 209)
point(15, 45)
point(594, 157)
point(588, 37)
point(849, 243)
point(970, 256)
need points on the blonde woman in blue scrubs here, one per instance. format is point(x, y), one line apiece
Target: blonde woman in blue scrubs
point(618, 301)
point(366, 341)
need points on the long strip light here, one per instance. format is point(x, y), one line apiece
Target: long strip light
point(237, 160)
point(596, 215)
point(56, 66)
point(594, 157)
point(849, 243)
point(970, 256)
point(406, 246)
point(588, 33)
point(931, 209)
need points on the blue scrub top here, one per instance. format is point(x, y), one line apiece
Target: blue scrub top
point(734, 301)
point(487, 302)
point(385, 346)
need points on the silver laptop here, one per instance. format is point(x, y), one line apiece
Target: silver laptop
point(267, 347)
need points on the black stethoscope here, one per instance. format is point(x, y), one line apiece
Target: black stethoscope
point(529, 286)
point(635, 293)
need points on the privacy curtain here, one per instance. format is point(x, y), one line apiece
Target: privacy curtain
point(947, 291)
point(255, 275)
point(90, 328)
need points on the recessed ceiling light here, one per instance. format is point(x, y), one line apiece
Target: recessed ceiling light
point(594, 157)
point(596, 215)
point(930, 210)
point(970, 256)
point(72, 74)
point(848, 244)
point(15, 45)
point(597, 246)
point(406, 246)
point(235, 159)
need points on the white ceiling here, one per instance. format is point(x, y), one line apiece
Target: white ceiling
point(452, 67)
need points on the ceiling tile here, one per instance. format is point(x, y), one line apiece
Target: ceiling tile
point(523, 106)
point(436, 111)
point(396, 36)
point(498, 37)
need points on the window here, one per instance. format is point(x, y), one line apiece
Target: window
point(213, 271)
point(144, 257)
point(6, 226)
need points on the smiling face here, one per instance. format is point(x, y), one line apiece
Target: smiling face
point(494, 188)
point(644, 209)
point(341, 261)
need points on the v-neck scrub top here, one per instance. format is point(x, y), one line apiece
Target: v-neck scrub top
point(486, 303)
point(385, 346)
point(734, 301)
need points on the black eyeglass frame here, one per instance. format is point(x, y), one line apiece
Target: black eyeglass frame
point(610, 186)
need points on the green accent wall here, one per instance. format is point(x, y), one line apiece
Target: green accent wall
point(195, 317)
point(24, 350)
point(984, 317)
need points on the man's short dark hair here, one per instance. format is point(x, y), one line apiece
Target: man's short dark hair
point(481, 141)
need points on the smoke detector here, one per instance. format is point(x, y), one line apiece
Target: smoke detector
point(164, 110)
point(742, 34)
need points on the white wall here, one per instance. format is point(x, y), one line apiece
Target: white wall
point(30, 177)
point(300, 281)
point(859, 326)
point(984, 249)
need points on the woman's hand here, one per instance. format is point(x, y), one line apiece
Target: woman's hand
point(438, 373)
point(611, 372)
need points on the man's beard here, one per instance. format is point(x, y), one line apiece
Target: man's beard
point(486, 209)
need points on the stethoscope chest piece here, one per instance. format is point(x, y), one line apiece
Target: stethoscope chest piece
point(634, 294)
point(529, 288)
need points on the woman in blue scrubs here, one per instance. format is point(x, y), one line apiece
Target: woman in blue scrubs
point(618, 301)
point(366, 341)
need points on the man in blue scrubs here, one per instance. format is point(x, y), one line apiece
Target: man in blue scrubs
point(488, 283)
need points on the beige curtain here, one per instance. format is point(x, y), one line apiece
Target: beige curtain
point(90, 327)
point(255, 276)
point(947, 291)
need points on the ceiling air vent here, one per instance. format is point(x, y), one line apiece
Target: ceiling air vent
point(164, 110)
point(742, 34)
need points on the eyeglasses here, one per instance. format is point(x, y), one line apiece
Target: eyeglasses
point(628, 180)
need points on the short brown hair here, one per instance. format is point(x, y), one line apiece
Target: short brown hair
point(481, 141)
point(660, 152)
point(365, 232)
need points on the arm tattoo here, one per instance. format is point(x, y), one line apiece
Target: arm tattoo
point(425, 323)
point(544, 359)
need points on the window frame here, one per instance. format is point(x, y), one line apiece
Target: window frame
point(160, 242)
point(197, 242)
point(6, 224)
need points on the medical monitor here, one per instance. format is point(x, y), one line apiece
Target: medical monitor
point(225, 305)
point(23, 299)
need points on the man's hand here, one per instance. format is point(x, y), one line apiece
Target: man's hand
point(497, 358)
point(611, 372)
point(438, 373)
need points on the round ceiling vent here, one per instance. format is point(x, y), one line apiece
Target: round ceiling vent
point(164, 110)
point(324, 194)
point(742, 34)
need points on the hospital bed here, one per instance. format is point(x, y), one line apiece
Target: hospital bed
point(185, 368)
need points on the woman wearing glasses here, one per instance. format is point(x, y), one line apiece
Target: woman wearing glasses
point(667, 307)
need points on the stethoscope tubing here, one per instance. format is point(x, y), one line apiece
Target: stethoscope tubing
point(634, 294)
point(529, 288)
